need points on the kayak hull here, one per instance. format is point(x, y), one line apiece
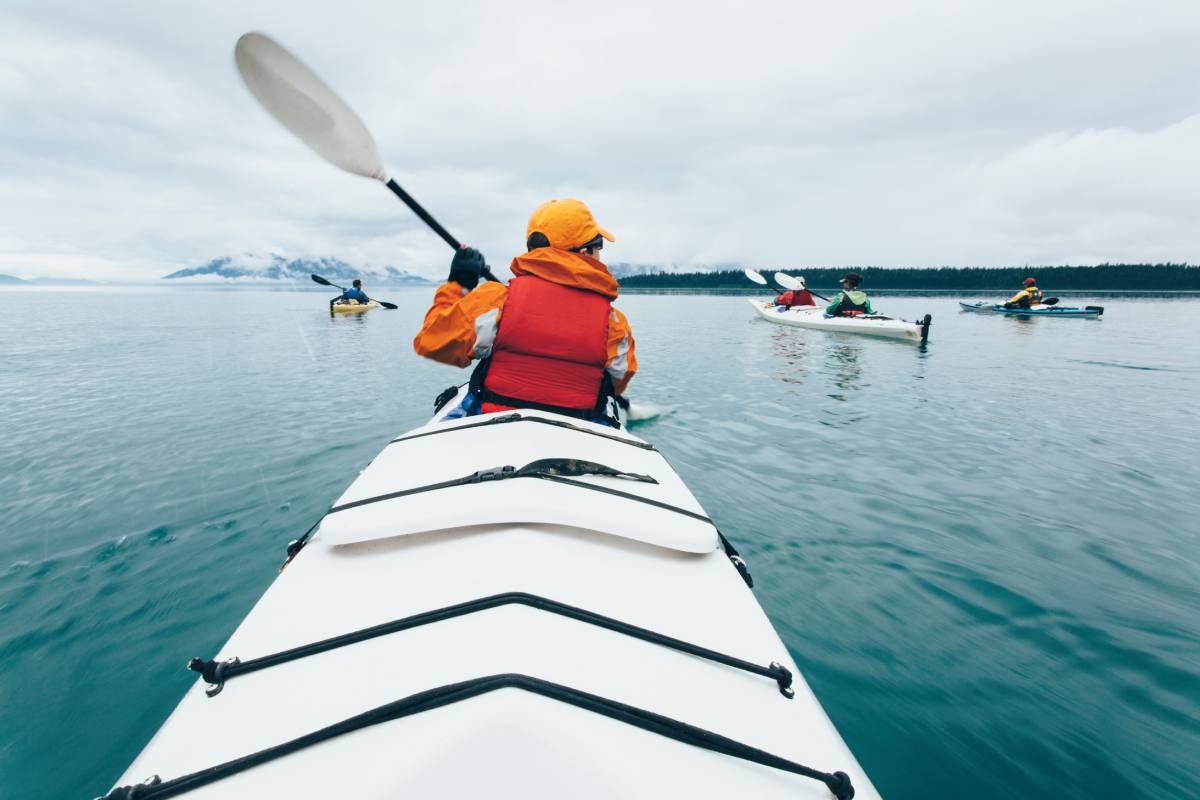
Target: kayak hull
point(507, 743)
point(1042, 311)
point(814, 317)
point(353, 308)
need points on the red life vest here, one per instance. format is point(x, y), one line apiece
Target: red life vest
point(796, 297)
point(550, 350)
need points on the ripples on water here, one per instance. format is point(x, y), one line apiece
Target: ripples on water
point(984, 555)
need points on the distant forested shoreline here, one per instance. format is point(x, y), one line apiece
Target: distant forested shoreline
point(1103, 277)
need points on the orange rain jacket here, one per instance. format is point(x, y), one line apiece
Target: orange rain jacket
point(461, 326)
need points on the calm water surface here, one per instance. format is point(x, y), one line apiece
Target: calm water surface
point(985, 556)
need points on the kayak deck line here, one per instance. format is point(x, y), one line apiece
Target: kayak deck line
point(547, 469)
point(296, 545)
point(517, 417)
point(217, 673)
point(155, 788)
point(544, 469)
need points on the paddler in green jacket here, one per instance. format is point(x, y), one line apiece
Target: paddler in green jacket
point(850, 302)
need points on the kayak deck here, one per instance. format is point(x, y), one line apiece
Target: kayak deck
point(509, 742)
point(814, 317)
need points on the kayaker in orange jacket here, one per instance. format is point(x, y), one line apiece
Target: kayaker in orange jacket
point(550, 339)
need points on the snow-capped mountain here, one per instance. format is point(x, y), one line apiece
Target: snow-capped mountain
point(624, 269)
point(256, 269)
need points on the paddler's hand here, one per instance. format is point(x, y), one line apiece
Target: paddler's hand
point(466, 267)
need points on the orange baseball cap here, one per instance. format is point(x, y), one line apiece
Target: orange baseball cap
point(566, 223)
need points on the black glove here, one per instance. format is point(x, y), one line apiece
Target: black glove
point(466, 267)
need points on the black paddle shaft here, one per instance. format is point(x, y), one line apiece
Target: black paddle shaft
point(425, 216)
point(326, 282)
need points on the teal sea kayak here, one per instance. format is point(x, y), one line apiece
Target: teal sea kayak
point(1035, 311)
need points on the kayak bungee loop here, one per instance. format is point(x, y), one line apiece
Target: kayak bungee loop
point(736, 559)
point(516, 417)
point(296, 545)
point(156, 789)
point(547, 469)
point(217, 673)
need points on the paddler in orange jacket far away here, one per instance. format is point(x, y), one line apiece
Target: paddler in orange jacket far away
point(551, 338)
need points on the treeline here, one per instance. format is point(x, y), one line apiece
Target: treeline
point(1104, 277)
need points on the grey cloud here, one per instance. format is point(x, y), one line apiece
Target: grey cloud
point(773, 133)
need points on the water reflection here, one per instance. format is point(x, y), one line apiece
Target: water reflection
point(358, 319)
point(842, 364)
point(793, 353)
point(1026, 322)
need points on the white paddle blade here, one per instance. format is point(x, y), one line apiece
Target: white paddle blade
point(754, 276)
point(788, 282)
point(640, 412)
point(306, 106)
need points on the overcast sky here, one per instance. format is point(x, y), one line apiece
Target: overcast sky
point(768, 134)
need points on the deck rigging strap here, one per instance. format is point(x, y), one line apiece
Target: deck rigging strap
point(156, 789)
point(550, 469)
point(218, 672)
point(517, 417)
point(555, 470)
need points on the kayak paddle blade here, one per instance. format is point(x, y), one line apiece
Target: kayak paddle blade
point(642, 412)
point(754, 276)
point(306, 106)
point(788, 282)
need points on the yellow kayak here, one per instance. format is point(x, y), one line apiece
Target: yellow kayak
point(353, 307)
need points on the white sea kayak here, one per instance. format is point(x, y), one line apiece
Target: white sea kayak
point(871, 325)
point(512, 605)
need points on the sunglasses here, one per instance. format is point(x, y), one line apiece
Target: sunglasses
point(594, 244)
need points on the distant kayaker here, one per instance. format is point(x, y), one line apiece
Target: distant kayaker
point(1031, 295)
point(550, 339)
point(850, 302)
point(355, 293)
point(796, 297)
